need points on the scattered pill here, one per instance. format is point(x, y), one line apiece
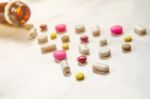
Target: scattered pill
point(28, 26)
point(126, 48)
point(48, 48)
point(84, 39)
point(32, 33)
point(79, 28)
point(60, 28)
point(82, 60)
point(59, 55)
point(140, 30)
point(53, 35)
point(65, 38)
point(104, 53)
point(65, 68)
point(65, 46)
point(103, 41)
point(42, 38)
point(96, 31)
point(43, 27)
point(128, 38)
point(79, 76)
point(100, 68)
point(116, 30)
point(83, 49)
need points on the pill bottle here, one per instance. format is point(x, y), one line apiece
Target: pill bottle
point(16, 12)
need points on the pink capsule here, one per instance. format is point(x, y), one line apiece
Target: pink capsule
point(60, 28)
point(59, 55)
point(116, 30)
point(84, 39)
point(82, 59)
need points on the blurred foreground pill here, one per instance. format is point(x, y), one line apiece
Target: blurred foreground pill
point(126, 48)
point(53, 35)
point(48, 48)
point(140, 30)
point(100, 68)
point(128, 38)
point(60, 28)
point(32, 33)
point(116, 30)
point(43, 27)
point(83, 49)
point(42, 38)
point(28, 26)
point(104, 53)
point(59, 55)
point(65, 68)
point(103, 41)
point(79, 76)
point(96, 31)
point(79, 28)
point(65, 38)
point(65, 46)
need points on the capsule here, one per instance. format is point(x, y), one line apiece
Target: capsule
point(104, 53)
point(42, 39)
point(65, 68)
point(140, 30)
point(96, 31)
point(48, 48)
point(79, 28)
point(100, 68)
point(83, 49)
point(103, 41)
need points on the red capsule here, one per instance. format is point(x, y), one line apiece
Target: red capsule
point(82, 59)
point(84, 39)
point(43, 27)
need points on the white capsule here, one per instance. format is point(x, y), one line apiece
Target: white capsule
point(48, 48)
point(79, 28)
point(65, 68)
point(103, 41)
point(42, 39)
point(32, 33)
point(104, 53)
point(96, 31)
point(83, 49)
point(140, 30)
point(100, 68)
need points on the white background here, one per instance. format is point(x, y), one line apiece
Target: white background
point(27, 74)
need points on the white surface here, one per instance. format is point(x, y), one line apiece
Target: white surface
point(27, 74)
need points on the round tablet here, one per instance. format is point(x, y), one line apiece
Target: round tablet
point(128, 38)
point(116, 30)
point(82, 60)
point(126, 48)
point(104, 53)
point(79, 76)
point(59, 55)
point(60, 28)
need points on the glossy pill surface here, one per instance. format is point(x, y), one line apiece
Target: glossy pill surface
point(59, 55)
point(60, 28)
point(82, 59)
point(79, 76)
point(116, 30)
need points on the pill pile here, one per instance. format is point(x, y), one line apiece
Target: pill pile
point(60, 55)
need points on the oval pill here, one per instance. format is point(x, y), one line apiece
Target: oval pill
point(79, 28)
point(140, 30)
point(96, 31)
point(116, 30)
point(128, 38)
point(60, 28)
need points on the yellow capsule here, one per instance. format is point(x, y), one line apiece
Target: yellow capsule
point(128, 38)
point(65, 46)
point(79, 76)
point(53, 35)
